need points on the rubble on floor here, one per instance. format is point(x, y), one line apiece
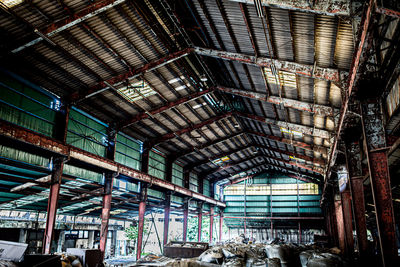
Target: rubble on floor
point(237, 254)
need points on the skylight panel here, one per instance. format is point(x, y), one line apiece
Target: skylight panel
point(11, 3)
point(221, 160)
point(136, 91)
point(282, 77)
point(291, 132)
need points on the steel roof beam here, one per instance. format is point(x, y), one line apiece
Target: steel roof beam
point(311, 71)
point(188, 129)
point(290, 126)
point(132, 74)
point(205, 145)
point(290, 142)
point(232, 164)
point(286, 102)
point(169, 105)
point(63, 24)
point(323, 7)
point(315, 169)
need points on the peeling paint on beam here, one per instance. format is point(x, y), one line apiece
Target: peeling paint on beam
point(292, 126)
point(26, 136)
point(388, 12)
point(288, 103)
point(323, 7)
point(333, 75)
point(169, 105)
point(132, 74)
point(63, 24)
point(305, 146)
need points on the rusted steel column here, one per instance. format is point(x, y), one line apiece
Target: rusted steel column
point(340, 223)
point(185, 219)
point(200, 221)
point(354, 166)
point(112, 139)
point(221, 221)
point(105, 212)
point(299, 236)
point(142, 210)
point(52, 204)
point(186, 178)
point(145, 157)
point(168, 169)
point(211, 223)
point(61, 127)
point(348, 221)
point(374, 136)
point(167, 211)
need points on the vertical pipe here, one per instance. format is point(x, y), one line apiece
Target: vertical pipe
point(52, 204)
point(199, 224)
point(142, 210)
point(221, 221)
point(167, 210)
point(374, 136)
point(353, 159)
point(185, 220)
point(211, 223)
point(340, 223)
point(348, 219)
point(105, 212)
point(245, 206)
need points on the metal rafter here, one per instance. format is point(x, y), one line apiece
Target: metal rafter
point(286, 102)
point(291, 142)
point(72, 20)
point(290, 126)
point(311, 71)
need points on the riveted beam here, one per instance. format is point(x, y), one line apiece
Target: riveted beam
point(74, 19)
point(188, 129)
point(311, 71)
point(45, 145)
point(289, 126)
point(132, 74)
point(305, 146)
point(323, 7)
point(286, 102)
point(167, 106)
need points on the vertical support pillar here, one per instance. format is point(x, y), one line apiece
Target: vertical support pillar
point(374, 136)
point(61, 127)
point(221, 222)
point(105, 212)
point(186, 178)
point(168, 169)
point(340, 223)
point(142, 210)
point(112, 139)
point(145, 157)
point(185, 219)
point(167, 211)
point(52, 204)
point(211, 223)
point(348, 221)
point(200, 221)
point(299, 234)
point(354, 166)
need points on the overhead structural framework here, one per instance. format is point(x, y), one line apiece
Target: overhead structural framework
point(63, 24)
point(327, 74)
point(286, 102)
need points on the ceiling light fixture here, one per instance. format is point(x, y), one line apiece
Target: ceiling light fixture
point(203, 78)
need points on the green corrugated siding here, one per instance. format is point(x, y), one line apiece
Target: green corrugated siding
point(177, 199)
point(177, 174)
point(86, 133)
point(12, 153)
point(155, 193)
point(156, 165)
point(206, 187)
point(193, 182)
point(127, 151)
point(26, 106)
point(82, 173)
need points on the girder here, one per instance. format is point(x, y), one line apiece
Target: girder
point(286, 102)
point(311, 71)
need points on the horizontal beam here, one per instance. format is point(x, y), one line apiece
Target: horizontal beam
point(286, 102)
point(132, 74)
point(388, 12)
point(323, 7)
point(190, 128)
point(169, 105)
point(311, 71)
point(290, 126)
point(30, 138)
point(273, 218)
point(305, 146)
point(205, 145)
point(230, 165)
point(63, 24)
